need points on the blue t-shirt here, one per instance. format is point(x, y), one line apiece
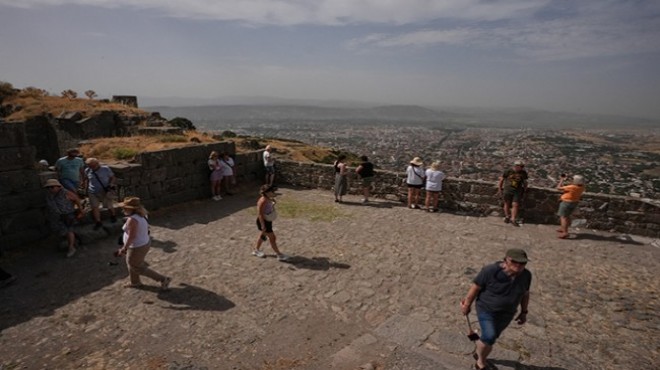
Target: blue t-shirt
point(104, 174)
point(500, 293)
point(69, 168)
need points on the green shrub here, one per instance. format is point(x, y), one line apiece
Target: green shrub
point(6, 89)
point(184, 123)
point(124, 153)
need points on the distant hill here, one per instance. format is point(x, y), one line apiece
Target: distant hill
point(448, 117)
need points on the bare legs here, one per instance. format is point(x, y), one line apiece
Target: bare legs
point(271, 238)
point(413, 197)
point(431, 202)
point(563, 228)
point(483, 350)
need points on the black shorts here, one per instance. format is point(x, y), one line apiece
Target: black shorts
point(269, 226)
point(415, 186)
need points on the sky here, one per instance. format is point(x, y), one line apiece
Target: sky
point(586, 56)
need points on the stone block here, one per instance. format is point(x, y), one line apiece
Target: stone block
point(13, 135)
point(21, 221)
point(13, 203)
point(19, 181)
point(17, 158)
point(27, 236)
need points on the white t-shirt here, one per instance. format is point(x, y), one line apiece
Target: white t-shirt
point(228, 168)
point(434, 180)
point(268, 159)
point(415, 175)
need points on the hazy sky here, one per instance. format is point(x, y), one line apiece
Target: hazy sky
point(590, 56)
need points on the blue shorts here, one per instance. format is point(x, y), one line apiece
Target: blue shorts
point(70, 185)
point(270, 170)
point(566, 208)
point(493, 324)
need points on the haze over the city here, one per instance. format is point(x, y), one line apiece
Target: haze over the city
point(589, 56)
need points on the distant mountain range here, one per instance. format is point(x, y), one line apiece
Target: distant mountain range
point(316, 111)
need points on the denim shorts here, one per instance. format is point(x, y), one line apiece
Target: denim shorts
point(566, 208)
point(493, 324)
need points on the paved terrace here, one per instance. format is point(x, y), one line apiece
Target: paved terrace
point(375, 288)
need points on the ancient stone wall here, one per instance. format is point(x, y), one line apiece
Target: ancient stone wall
point(22, 217)
point(597, 211)
point(172, 176)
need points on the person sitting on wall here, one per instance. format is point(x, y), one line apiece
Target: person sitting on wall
point(101, 188)
point(70, 170)
point(62, 205)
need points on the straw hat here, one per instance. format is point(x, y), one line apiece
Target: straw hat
point(51, 183)
point(131, 203)
point(417, 161)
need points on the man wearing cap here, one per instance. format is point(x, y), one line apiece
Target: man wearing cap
point(498, 289)
point(512, 187)
point(70, 169)
point(101, 189)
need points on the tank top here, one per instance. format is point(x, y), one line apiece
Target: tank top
point(142, 237)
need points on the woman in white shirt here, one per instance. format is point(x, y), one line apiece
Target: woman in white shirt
point(415, 181)
point(228, 172)
point(137, 243)
point(434, 179)
point(217, 171)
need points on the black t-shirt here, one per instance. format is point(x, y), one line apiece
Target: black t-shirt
point(514, 180)
point(500, 293)
point(367, 169)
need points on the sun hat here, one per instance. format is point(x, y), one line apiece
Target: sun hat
point(417, 161)
point(43, 162)
point(131, 203)
point(51, 183)
point(517, 255)
point(518, 162)
point(435, 165)
point(578, 180)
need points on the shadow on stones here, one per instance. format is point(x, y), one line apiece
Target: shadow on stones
point(316, 263)
point(167, 246)
point(518, 366)
point(187, 297)
point(612, 238)
point(378, 204)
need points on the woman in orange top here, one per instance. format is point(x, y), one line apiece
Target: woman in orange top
point(569, 202)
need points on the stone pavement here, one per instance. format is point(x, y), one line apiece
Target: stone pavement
point(371, 286)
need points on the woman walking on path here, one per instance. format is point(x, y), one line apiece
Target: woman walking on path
point(137, 243)
point(217, 170)
point(415, 181)
point(341, 182)
point(266, 214)
point(366, 172)
point(569, 202)
point(434, 179)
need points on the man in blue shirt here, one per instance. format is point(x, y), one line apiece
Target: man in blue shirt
point(70, 170)
point(498, 288)
point(101, 188)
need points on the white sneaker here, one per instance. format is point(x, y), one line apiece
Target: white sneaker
point(365, 200)
point(283, 257)
point(259, 253)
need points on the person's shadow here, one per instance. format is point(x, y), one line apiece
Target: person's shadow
point(316, 263)
point(188, 298)
point(518, 366)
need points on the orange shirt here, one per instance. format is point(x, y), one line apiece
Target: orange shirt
point(572, 193)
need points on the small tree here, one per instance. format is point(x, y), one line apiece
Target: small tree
point(228, 134)
point(184, 123)
point(69, 94)
point(6, 89)
point(91, 94)
point(33, 92)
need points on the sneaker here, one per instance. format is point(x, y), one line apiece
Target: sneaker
point(165, 284)
point(71, 253)
point(8, 281)
point(515, 223)
point(283, 257)
point(365, 200)
point(507, 220)
point(259, 253)
point(98, 225)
